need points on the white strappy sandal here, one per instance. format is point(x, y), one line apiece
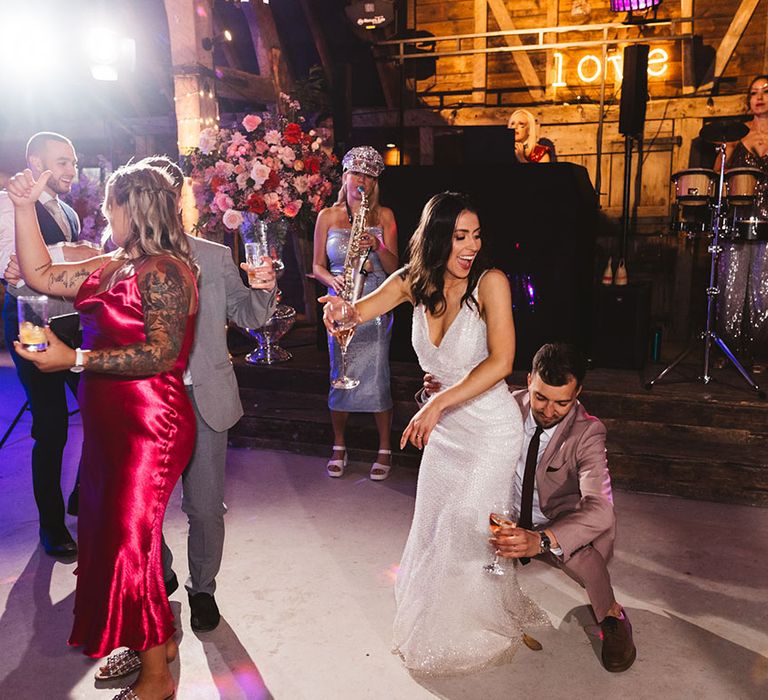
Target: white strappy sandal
point(335, 467)
point(383, 469)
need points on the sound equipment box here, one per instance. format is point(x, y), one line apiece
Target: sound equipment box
point(621, 326)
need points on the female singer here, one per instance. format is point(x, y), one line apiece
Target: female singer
point(528, 147)
point(743, 266)
point(368, 358)
point(137, 308)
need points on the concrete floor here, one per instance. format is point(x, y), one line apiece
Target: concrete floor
point(306, 595)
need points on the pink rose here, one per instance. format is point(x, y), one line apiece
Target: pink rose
point(251, 122)
point(272, 136)
point(292, 208)
point(232, 219)
point(272, 200)
point(260, 147)
point(223, 201)
point(259, 174)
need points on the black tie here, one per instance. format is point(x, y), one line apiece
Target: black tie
point(529, 480)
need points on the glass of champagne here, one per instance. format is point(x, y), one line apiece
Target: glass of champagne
point(344, 320)
point(254, 258)
point(33, 317)
point(499, 516)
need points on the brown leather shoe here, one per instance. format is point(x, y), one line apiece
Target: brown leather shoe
point(618, 648)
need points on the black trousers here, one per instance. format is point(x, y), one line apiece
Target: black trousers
point(46, 394)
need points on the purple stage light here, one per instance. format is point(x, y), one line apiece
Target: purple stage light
point(631, 5)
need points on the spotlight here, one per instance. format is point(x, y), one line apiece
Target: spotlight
point(108, 53)
point(224, 37)
point(19, 62)
point(631, 6)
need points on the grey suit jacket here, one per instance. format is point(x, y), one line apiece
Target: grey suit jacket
point(573, 482)
point(222, 297)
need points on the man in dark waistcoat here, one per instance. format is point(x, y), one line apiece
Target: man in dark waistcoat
point(46, 392)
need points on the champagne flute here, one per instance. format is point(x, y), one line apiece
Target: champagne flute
point(500, 515)
point(344, 320)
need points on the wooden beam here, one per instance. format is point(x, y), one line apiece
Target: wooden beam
point(553, 20)
point(266, 44)
point(321, 45)
point(699, 107)
point(480, 60)
point(730, 40)
point(686, 48)
point(237, 84)
point(688, 129)
point(524, 65)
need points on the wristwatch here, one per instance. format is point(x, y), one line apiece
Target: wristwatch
point(79, 365)
point(546, 544)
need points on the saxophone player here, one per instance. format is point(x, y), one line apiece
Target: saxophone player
point(368, 357)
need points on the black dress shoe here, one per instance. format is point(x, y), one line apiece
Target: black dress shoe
point(205, 613)
point(58, 546)
point(619, 650)
point(73, 503)
point(171, 585)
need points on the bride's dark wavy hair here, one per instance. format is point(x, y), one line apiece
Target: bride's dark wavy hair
point(431, 246)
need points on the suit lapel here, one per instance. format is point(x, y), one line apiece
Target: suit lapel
point(557, 440)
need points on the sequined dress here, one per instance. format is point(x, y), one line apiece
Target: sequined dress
point(452, 616)
point(743, 275)
point(138, 436)
point(368, 351)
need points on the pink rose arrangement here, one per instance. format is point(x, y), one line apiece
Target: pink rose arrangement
point(268, 166)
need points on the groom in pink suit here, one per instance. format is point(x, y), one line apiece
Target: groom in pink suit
point(566, 513)
point(562, 492)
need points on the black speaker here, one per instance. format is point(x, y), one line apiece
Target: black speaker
point(634, 90)
point(621, 328)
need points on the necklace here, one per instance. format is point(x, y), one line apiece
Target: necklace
point(349, 212)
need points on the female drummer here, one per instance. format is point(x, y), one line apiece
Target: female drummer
point(743, 268)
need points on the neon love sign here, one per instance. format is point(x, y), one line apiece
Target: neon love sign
point(589, 69)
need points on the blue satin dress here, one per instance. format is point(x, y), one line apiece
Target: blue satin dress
point(368, 352)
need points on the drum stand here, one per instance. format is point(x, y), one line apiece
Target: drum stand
point(709, 336)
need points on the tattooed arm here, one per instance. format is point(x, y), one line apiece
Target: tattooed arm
point(168, 297)
point(37, 270)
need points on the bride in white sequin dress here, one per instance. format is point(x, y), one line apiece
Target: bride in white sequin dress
point(452, 616)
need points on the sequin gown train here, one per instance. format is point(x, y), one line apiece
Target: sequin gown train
point(453, 617)
point(368, 351)
point(138, 435)
point(742, 316)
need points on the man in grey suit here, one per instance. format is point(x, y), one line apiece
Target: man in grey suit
point(562, 492)
point(212, 388)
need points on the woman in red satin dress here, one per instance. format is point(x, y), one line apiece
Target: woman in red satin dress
point(137, 309)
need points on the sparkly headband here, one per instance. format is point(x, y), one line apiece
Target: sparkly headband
point(363, 159)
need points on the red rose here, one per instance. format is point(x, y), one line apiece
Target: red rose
point(216, 182)
point(312, 165)
point(271, 182)
point(292, 133)
point(256, 203)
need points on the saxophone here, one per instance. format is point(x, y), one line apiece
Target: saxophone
point(355, 259)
